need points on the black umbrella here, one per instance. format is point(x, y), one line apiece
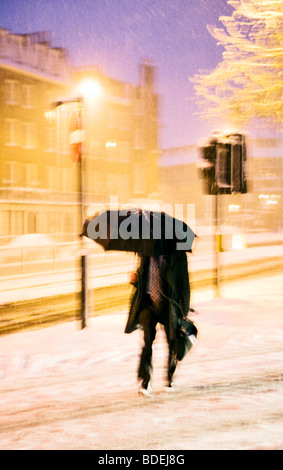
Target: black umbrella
point(148, 233)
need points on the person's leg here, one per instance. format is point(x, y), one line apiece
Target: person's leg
point(148, 322)
point(172, 364)
point(172, 357)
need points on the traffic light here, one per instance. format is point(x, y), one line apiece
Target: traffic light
point(222, 165)
point(206, 167)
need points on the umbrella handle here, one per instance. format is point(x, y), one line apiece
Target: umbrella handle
point(134, 278)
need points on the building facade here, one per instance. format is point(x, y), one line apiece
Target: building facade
point(39, 188)
point(120, 149)
point(31, 72)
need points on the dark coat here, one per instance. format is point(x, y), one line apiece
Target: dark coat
point(175, 287)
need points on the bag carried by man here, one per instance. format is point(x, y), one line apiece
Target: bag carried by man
point(185, 338)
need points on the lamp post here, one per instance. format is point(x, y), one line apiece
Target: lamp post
point(91, 91)
point(76, 139)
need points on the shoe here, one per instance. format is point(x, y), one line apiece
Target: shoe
point(146, 391)
point(171, 388)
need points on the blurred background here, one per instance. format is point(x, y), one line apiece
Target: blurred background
point(140, 141)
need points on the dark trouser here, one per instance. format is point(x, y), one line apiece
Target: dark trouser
point(149, 317)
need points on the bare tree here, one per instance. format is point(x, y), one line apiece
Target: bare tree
point(248, 83)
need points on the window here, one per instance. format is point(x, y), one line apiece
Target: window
point(98, 183)
point(30, 175)
point(11, 92)
point(124, 150)
point(27, 96)
point(17, 48)
point(138, 139)
point(17, 222)
point(40, 56)
point(112, 151)
point(62, 123)
point(112, 183)
point(53, 222)
point(30, 222)
point(139, 178)
point(29, 135)
point(112, 119)
point(68, 226)
point(96, 149)
point(5, 223)
point(64, 144)
point(66, 179)
point(10, 173)
point(51, 176)
point(11, 132)
point(124, 121)
point(50, 139)
point(2, 42)
point(123, 187)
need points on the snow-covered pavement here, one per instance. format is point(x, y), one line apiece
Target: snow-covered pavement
point(66, 388)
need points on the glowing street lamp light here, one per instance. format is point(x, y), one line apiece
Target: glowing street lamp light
point(90, 89)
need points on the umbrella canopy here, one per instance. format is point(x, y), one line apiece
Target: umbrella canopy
point(148, 233)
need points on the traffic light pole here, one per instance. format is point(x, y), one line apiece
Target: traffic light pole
point(84, 290)
point(217, 245)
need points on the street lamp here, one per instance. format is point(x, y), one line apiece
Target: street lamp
point(89, 91)
point(76, 139)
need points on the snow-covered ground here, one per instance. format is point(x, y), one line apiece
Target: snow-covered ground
point(66, 388)
point(113, 268)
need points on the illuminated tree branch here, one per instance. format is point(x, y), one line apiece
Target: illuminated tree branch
point(248, 82)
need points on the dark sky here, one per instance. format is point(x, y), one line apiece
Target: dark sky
point(118, 34)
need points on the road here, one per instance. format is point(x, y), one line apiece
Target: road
point(66, 388)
